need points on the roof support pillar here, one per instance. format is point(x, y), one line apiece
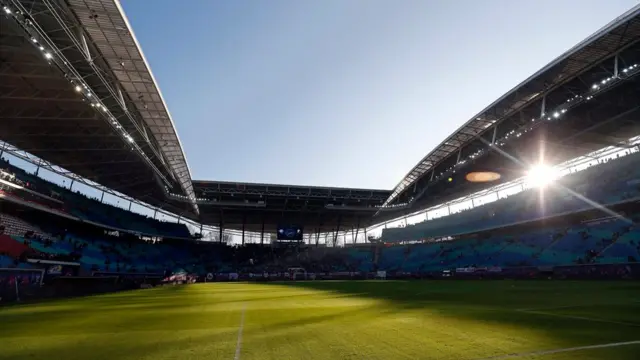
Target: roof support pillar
point(244, 217)
point(495, 133)
point(433, 172)
point(543, 107)
point(102, 198)
point(220, 228)
point(262, 232)
point(615, 66)
point(459, 155)
point(335, 236)
point(355, 236)
point(319, 230)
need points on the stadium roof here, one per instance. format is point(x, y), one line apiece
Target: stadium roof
point(317, 209)
point(78, 92)
point(530, 97)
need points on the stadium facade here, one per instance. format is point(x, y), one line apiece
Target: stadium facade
point(96, 197)
point(84, 104)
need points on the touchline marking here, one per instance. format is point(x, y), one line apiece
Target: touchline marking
point(577, 306)
point(556, 351)
point(557, 307)
point(580, 318)
point(239, 343)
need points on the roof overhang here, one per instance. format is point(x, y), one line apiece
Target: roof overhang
point(604, 43)
point(108, 29)
point(92, 45)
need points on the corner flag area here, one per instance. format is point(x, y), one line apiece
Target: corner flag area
point(383, 320)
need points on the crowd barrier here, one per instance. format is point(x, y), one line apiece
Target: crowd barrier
point(21, 285)
point(630, 271)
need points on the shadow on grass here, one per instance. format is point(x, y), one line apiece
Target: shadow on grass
point(106, 327)
point(500, 303)
point(65, 316)
point(79, 347)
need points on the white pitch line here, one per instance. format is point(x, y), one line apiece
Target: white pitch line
point(577, 306)
point(556, 307)
point(580, 318)
point(239, 343)
point(556, 351)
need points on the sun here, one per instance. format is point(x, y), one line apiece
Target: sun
point(541, 175)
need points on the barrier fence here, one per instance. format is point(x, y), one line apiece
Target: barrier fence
point(630, 271)
point(31, 285)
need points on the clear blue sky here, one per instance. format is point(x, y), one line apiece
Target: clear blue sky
point(342, 92)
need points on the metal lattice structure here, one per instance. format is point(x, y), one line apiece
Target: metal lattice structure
point(529, 100)
point(76, 91)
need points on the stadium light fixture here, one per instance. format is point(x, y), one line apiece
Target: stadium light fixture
point(31, 29)
point(541, 175)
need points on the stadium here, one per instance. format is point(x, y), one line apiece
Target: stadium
point(516, 237)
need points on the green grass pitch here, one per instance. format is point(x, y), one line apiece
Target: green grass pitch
point(376, 320)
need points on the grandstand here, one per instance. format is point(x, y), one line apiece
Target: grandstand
point(84, 104)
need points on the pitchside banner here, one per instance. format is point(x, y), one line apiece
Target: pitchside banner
point(470, 270)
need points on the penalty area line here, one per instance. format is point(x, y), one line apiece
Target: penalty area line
point(562, 350)
point(240, 328)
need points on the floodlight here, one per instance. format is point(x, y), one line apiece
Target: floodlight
point(541, 175)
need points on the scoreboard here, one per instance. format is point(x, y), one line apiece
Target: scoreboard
point(289, 232)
